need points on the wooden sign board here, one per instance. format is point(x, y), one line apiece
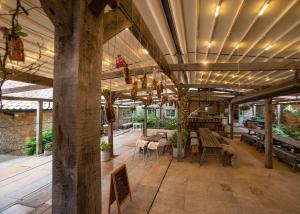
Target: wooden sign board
point(119, 187)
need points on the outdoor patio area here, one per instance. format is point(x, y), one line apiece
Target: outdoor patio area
point(164, 185)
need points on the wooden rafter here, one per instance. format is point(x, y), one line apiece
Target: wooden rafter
point(226, 86)
point(23, 89)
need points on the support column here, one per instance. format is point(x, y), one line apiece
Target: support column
point(39, 128)
point(179, 130)
point(278, 114)
point(230, 115)
point(117, 118)
point(160, 115)
point(111, 138)
point(268, 133)
point(76, 182)
point(145, 122)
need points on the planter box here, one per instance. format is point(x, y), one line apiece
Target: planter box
point(105, 156)
point(47, 153)
point(175, 152)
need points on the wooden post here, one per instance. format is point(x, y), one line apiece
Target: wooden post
point(111, 137)
point(278, 114)
point(39, 128)
point(268, 133)
point(230, 115)
point(160, 115)
point(179, 130)
point(117, 118)
point(145, 122)
point(254, 111)
point(76, 182)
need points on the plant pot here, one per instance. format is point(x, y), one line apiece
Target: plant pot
point(105, 156)
point(47, 152)
point(175, 152)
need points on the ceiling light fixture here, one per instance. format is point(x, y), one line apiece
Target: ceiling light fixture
point(146, 51)
point(209, 45)
point(268, 48)
point(237, 46)
point(217, 10)
point(264, 7)
point(249, 78)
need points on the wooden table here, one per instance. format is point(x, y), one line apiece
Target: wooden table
point(154, 138)
point(209, 143)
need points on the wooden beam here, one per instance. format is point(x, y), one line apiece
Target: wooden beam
point(125, 96)
point(253, 66)
point(26, 99)
point(289, 87)
point(57, 13)
point(23, 89)
point(39, 128)
point(140, 30)
point(27, 77)
point(114, 23)
point(76, 186)
point(268, 133)
point(225, 86)
point(96, 6)
point(145, 121)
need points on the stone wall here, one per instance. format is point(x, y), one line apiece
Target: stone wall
point(18, 127)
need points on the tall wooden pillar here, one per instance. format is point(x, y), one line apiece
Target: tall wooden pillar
point(76, 182)
point(278, 114)
point(39, 128)
point(111, 137)
point(117, 118)
point(145, 122)
point(160, 115)
point(230, 116)
point(268, 133)
point(179, 131)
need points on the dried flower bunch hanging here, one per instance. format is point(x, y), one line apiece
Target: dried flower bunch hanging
point(159, 89)
point(149, 98)
point(164, 99)
point(144, 80)
point(121, 64)
point(110, 98)
point(134, 89)
point(154, 77)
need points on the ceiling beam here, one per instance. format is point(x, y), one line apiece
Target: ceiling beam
point(254, 66)
point(140, 30)
point(26, 99)
point(225, 86)
point(23, 89)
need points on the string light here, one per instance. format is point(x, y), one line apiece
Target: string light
point(264, 7)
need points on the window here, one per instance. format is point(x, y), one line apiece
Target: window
point(170, 113)
point(127, 113)
point(151, 111)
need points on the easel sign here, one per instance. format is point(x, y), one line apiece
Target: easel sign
point(119, 187)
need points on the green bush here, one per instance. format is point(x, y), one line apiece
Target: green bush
point(105, 146)
point(286, 131)
point(30, 145)
point(293, 111)
point(138, 117)
point(174, 139)
point(48, 147)
point(171, 125)
point(153, 121)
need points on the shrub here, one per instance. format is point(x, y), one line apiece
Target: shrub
point(153, 121)
point(105, 146)
point(138, 117)
point(174, 139)
point(293, 111)
point(286, 131)
point(171, 125)
point(48, 147)
point(30, 145)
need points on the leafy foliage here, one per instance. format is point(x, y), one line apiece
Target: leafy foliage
point(105, 146)
point(172, 124)
point(286, 131)
point(174, 139)
point(138, 117)
point(47, 139)
point(48, 147)
point(245, 107)
point(293, 111)
point(153, 121)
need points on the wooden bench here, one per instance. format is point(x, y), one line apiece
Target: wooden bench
point(287, 157)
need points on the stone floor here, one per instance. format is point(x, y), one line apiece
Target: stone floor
point(211, 188)
point(164, 186)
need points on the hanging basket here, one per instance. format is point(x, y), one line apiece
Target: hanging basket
point(16, 49)
point(164, 99)
point(120, 62)
point(149, 99)
point(158, 90)
point(110, 112)
point(134, 89)
point(126, 74)
point(144, 81)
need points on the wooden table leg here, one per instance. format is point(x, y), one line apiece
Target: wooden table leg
point(202, 156)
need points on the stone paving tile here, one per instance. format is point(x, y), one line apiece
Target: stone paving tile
point(18, 209)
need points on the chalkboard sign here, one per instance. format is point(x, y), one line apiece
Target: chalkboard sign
point(119, 186)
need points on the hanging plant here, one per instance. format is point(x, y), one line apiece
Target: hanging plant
point(132, 108)
point(110, 98)
point(164, 99)
point(158, 90)
point(144, 80)
point(154, 80)
point(244, 107)
point(127, 76)
point(149, 98)
point(134, 89)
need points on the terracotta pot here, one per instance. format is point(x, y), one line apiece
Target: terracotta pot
point(110, 113)
point(175, 152)
point(47, 152)
point(16, 49)
point(105, 156)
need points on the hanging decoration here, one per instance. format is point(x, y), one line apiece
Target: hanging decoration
point(134, 89)
point(154, 80)
point(144, 80)
point(159, 89)
point(132, 108)
point(121, 64)
point(149, 98)
point(110, 98)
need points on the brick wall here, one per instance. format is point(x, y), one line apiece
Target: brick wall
point(18, 127)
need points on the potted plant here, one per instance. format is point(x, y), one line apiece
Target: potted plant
point(47, 149)
point(105, 150)
point(173, 141)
